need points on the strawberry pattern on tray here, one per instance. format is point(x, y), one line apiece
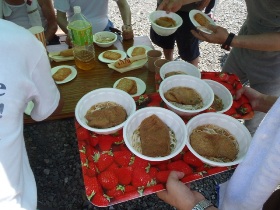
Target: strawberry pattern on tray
point(112, 174)
point(241, 108)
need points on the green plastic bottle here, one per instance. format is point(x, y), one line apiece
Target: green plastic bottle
point(80, 30)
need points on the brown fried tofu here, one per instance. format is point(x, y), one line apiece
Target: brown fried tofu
point(154, 135)
point(62, 74)
point(107, 117)
point(183, 95)
point(203, 21)
point(213, 145)
point(127, 85)
point(166, 22)
point(138, 51)
point(134, 89)
point(66, 53)
point(111, 55)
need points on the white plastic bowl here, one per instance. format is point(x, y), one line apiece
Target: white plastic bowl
point(104, 34)
point(222, 92)
point(172, 120)
point(197, 84)
point(236, 128)
point(102, 95)
point(182, 66)
point(163, 31)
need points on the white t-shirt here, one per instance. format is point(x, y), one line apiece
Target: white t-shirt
point(96, 11)
point(25, 76)
point(18, 14)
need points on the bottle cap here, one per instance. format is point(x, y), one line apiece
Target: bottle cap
point(77, 9)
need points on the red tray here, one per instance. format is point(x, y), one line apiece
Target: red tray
point(126, 176)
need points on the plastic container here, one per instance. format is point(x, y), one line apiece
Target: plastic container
point(172, 120)
point(222, 92)
point(80, 30)
point(181, 66)
point(104, 95)
point(201, 87)
point(237, 129)
point(163, 31)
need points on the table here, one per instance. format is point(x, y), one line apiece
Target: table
point(99, 77)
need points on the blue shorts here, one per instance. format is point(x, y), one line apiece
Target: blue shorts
point(188, 45)
point(109, 25)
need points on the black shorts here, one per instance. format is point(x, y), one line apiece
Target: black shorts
point(188, 45)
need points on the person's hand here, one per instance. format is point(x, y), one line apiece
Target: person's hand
point(170, 5)
point(219, 35)
point(252, 95)
point(178, 194)
point(127, 32)
point(201, 5)
point(257, 100)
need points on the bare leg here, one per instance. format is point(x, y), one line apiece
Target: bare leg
point(168, 54)
point(195, 62)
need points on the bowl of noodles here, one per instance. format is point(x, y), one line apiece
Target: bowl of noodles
point(186, 95)
point(222, 97)
point(178, 68)
point(104, 38)
point(155, 134)
point(165, 24)
point(105, 110)
point(217, 139)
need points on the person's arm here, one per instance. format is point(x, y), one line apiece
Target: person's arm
point(49, 14)
point(179, 195)
point(262, 42)
point(259, 102)
point(62, 21)
point(125, 11)
point(174, 5)
point(203, 4)
point(126, 17)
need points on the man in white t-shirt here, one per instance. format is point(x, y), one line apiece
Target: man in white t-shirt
point(96, 11)
point(25, 76)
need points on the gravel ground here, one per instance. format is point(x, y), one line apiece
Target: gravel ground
point(52, 146)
